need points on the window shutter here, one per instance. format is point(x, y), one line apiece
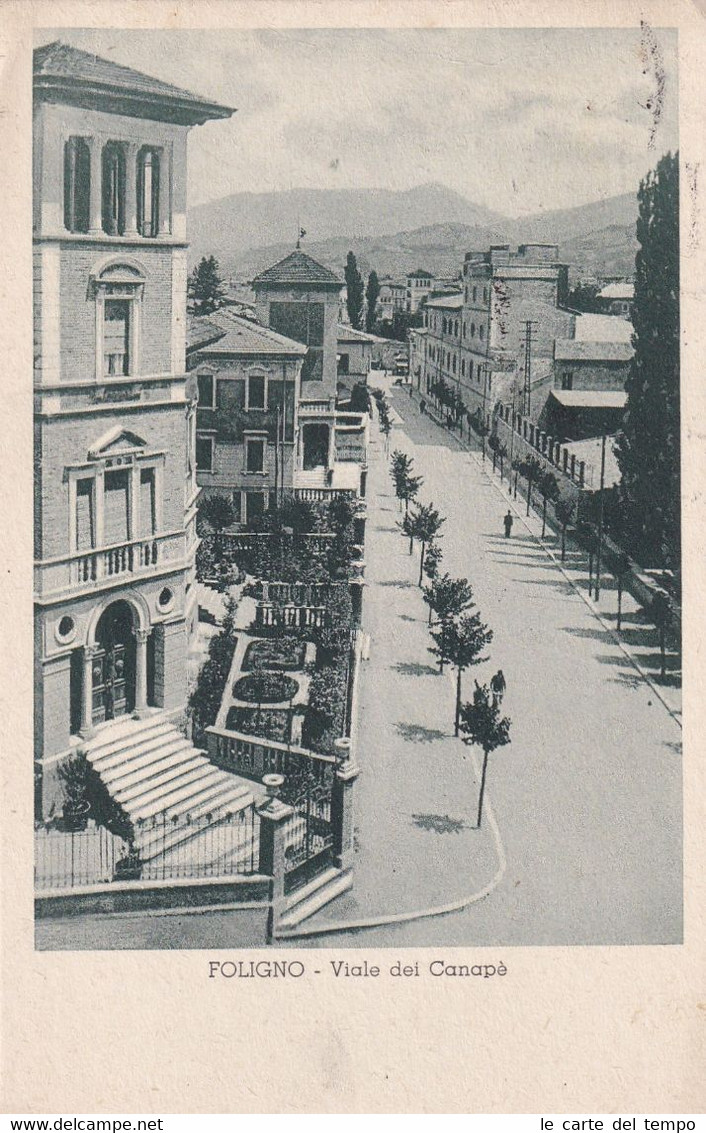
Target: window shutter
point(84, 515)
point(116, 523)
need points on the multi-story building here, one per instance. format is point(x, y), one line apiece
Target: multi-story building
point(115, 411)
point(298, 298)
point(392, 298)
point(248, 390)
point(419, 284)
point(355, 357)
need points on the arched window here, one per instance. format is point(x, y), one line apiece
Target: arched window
point(113, 189)
point(473, 330)
point(475, 293)
point(481, 331)
point(148, 192)
point(77, 185)
point(443, 324)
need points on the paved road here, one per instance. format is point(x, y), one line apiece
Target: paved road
point(587, 797)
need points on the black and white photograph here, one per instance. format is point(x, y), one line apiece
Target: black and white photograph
point(357, 536)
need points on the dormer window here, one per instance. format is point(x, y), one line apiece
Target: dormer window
point(148, 172)
point(113, 189)
point(77, 185)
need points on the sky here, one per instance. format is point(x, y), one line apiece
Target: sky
point(516, 120)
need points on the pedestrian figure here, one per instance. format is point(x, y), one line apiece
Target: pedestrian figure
point(508, 521)
point(497, 686)
point(422, 406)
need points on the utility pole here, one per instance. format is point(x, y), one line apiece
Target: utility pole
point(600, 520)
point(527, 399)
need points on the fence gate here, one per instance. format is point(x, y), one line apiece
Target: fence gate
point(309, 836)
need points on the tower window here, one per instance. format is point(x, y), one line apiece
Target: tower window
point(148, 192)
point(567, 380)
point(113, 189)
point(116, 338)
point(77, 185)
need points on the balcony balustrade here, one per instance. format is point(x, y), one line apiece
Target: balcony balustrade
point(85, 569)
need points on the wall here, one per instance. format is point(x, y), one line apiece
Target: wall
point(592, 375)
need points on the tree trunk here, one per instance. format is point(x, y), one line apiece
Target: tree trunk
point(544, 516)
point(421, 563)
point(495, 457)
point(516, 475)
point(411, 544)
point(529, 495)
point(482, 789)
point(590, 571)
point(458, 701)
point(563, 544)
point(620, 602)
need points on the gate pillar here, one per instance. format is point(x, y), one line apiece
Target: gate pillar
point(342, 799)
point(273, 814)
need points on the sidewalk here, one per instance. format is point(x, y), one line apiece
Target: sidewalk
point(417, 848)
point(638, 638)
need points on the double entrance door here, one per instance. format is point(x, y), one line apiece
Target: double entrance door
point(113, 671)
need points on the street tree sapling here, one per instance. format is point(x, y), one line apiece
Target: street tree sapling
point(482, 724)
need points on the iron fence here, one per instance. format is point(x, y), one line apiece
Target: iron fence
point(164, 848)
point(308, 835)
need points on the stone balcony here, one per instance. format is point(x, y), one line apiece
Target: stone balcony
point(84, 571)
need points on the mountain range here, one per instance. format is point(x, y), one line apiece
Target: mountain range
point(394, 232)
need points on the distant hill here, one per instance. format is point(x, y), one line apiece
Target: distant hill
point(248, 232)
point(251, 220)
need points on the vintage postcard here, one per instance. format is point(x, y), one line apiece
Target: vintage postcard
point(354, 409)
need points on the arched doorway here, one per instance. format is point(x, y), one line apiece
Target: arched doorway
point(316, 440)
point(113, 670)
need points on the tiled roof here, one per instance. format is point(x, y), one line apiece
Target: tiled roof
point(58, 66)
point(350, 334)
point(242, 336)
point(201, 330)
point(590, 398)
point(602, 328)
point(618, 291)
point(581, 350)
point(447, 302)
point(297, 267)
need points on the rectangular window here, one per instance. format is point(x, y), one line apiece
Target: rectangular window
point(206, 384)
point(304, 322)
point(254, 454)
point(85, 531)
point(148, 193)
point(116, 338)
point(567, 380)
point(116, 505)
point(204, 454)
point(148, 524)
point(344, 363)
point(256, 392)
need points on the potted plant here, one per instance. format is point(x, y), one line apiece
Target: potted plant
point(73, 774)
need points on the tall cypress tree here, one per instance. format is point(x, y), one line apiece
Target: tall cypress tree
point(648, 448)
point(372, 292)
point(354, 285)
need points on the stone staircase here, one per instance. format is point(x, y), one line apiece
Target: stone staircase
point(211, 602)
point(157, 776)
point(304, 902)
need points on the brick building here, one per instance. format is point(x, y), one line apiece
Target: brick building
point(115, 411)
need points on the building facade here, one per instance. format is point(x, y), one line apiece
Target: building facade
point(247, 421)
point(299, 299)
point(115, 411)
